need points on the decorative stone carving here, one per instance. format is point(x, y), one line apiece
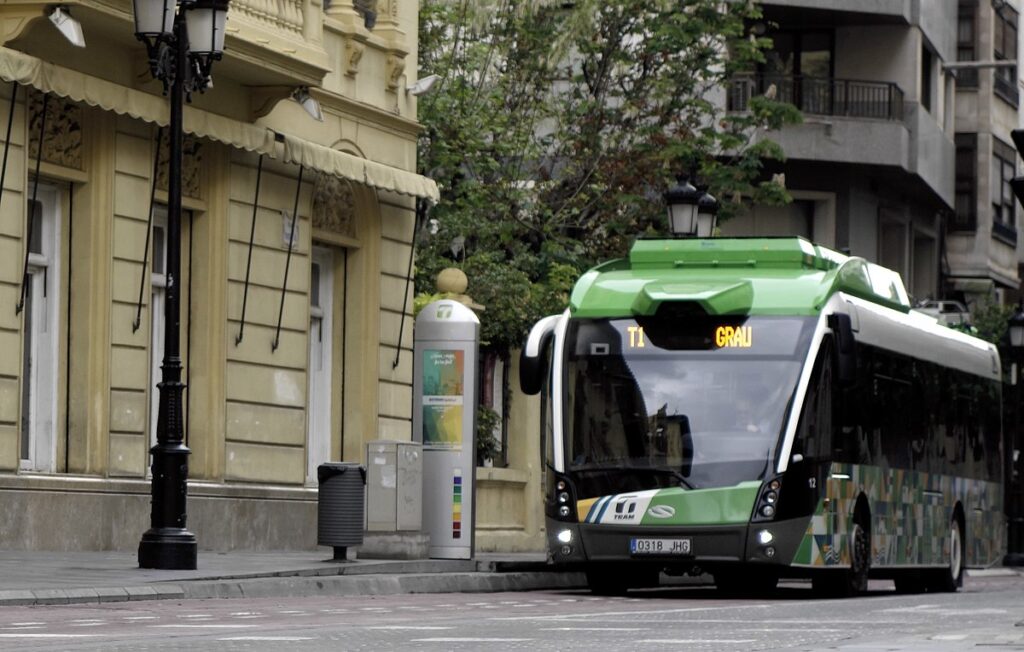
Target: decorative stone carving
point(191, 165)
point(395, 70)
point(353, 54)
point(62, 143)
point(334, 205)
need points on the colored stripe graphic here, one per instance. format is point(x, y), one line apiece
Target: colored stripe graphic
point(457, 504)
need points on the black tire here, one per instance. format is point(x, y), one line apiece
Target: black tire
point(951, 578)
point(848, 582)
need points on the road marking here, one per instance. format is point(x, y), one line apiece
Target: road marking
point(267, 638)
point(142, 618)
point(203, 626)
point(949, 637)
point(195, 616)
point(245, 613)
point(592, 629)
point(691, 641)
point(96, 624)
point(48, 635)
point(410, 626)
point(248, 617)
point(471, 640)
point(28, 622)
point(638, 612)
point(87, 620)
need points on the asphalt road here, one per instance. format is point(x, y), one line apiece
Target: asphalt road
point(988, 614)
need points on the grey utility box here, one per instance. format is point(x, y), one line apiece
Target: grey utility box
point(394, 486)
point(340, 504)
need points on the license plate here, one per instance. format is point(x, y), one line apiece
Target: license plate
point(659, 546)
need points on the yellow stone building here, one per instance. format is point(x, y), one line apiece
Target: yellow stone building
point(79, 352)
point(278, 380)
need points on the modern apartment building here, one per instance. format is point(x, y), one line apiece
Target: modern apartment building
point(296, 341)
point(902, 157)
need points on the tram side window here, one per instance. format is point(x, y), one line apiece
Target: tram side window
point(918, 415)
point(814, 434)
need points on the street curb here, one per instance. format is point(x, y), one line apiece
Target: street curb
point(359, 583)
point(393, 584)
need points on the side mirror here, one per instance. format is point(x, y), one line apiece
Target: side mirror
point(533, 362)
point(846, 362)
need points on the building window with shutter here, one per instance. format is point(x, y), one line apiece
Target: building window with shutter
point(1004, 223)
point(1004, 48)
point(965, 218)
point(966, 43)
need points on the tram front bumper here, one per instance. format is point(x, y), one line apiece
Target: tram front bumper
point(709, 545)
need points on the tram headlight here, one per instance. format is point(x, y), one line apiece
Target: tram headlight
point(764, 537)
point(769, 552)
point(561, 485)
point(564, 511)
point(563, 497)
point(768, 500)
point(565, 536)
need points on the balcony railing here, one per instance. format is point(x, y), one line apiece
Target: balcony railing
point(287, 16)
point(822, 96)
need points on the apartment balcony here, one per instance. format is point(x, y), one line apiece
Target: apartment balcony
point(822, 96)
point(858, 123)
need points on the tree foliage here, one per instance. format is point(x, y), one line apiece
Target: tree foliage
point(556, 127)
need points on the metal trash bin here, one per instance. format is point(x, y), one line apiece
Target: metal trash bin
point(340, 504)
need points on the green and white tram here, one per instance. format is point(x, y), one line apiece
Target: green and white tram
point(757, 408)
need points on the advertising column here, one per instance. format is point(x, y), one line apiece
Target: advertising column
point(445, 347)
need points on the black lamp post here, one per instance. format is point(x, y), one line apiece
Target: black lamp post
point(183, 65)
point(691, 212)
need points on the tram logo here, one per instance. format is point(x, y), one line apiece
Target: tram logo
point(625, 508)
point(662, 511)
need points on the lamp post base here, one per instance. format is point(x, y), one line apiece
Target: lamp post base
point(168, 549)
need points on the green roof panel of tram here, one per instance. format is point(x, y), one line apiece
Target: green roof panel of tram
point(732, 276)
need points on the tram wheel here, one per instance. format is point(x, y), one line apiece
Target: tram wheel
point(852, 581)
point(949, 579)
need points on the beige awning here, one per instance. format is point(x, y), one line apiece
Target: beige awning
point(25, 69)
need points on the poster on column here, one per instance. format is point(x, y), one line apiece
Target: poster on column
point(443, 399)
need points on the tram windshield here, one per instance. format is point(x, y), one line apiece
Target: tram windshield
point(694, 402)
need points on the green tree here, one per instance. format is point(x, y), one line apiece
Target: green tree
point(556, 127)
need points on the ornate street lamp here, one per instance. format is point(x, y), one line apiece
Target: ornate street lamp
point(1016, 328)
point(183, 65)
point(682, 208)
point(707, 214)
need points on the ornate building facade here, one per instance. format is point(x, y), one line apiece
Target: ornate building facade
point(296, 245)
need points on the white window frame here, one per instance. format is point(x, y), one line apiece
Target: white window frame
point(44, 270)
point(321, 329)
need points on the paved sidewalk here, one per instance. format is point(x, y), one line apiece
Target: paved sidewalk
point(76, 577)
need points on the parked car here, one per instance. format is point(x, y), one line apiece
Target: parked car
point(950, 313)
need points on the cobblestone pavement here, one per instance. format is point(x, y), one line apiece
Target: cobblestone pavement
point(988, 614)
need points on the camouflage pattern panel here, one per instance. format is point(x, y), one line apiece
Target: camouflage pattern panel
point(910, 516)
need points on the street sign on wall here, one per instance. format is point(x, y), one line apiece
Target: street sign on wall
point(446, 345)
